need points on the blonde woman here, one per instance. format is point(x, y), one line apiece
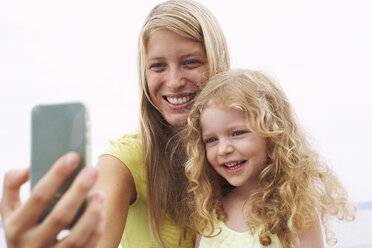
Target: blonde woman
point(180, 46)
point(256, 180)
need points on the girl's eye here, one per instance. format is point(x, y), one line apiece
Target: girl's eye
point(210, 140)
point(239, 132)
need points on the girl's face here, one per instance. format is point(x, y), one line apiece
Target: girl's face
point(232, 149)
point(177, 69)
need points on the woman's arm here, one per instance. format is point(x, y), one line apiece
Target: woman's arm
point(116, 182)
point(21, 220)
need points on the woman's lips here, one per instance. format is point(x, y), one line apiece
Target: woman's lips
point(177, 102)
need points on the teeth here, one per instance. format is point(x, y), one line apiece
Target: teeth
point(178, 101)
point(234, 165)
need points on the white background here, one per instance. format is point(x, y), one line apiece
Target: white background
point(321, 52)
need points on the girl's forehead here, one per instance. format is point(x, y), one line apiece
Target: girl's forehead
point(229, 107)
point(222, 103)
point(224, 107)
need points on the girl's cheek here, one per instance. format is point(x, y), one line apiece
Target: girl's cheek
point(209, 155)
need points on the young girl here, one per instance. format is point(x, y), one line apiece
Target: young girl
point(256, 180)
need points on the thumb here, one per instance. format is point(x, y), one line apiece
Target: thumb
point(13, 181)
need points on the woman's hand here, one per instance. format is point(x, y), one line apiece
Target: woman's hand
point(21, 220)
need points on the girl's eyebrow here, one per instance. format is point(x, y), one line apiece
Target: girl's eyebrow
point(206, 136)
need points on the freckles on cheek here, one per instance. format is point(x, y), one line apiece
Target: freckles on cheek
point(205, 74)
point(201, 77)
point(203, 83)
point(200, 85)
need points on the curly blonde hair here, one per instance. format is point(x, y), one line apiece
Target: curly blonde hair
point(296, 187)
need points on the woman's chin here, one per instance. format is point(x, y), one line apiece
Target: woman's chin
point(178, 119)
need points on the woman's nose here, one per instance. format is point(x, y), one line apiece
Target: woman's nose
point(175, 79)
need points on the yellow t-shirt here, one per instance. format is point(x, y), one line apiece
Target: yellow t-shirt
point(128, 149)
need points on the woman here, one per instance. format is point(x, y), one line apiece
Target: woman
point(181, 45)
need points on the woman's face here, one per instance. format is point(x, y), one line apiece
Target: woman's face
point(176, 70)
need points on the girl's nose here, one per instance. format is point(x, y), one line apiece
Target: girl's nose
point(225, 148)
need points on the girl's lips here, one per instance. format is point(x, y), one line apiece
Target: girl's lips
point(234, 167)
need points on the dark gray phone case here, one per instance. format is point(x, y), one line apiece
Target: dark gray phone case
point(55, 130)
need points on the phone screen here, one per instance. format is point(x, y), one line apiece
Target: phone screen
point(55, 130)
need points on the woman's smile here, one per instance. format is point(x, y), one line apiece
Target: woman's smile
point(177, 69)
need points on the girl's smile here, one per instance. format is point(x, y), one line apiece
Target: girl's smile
point(234, 167)
point(236, 153)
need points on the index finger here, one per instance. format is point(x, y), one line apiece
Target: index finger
point(45, 190)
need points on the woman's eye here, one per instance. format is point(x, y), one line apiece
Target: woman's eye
point(210, 140)
point(157, 66)
point(192, 63)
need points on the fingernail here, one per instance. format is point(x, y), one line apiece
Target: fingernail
point(22, 172)
point(99, 198)
point(91, 174)
point(71, 159)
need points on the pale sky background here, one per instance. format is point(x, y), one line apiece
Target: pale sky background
point(321, 52)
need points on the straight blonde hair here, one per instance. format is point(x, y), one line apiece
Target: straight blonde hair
point(166, 181)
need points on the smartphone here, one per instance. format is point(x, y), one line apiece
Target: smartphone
point(55, 130)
